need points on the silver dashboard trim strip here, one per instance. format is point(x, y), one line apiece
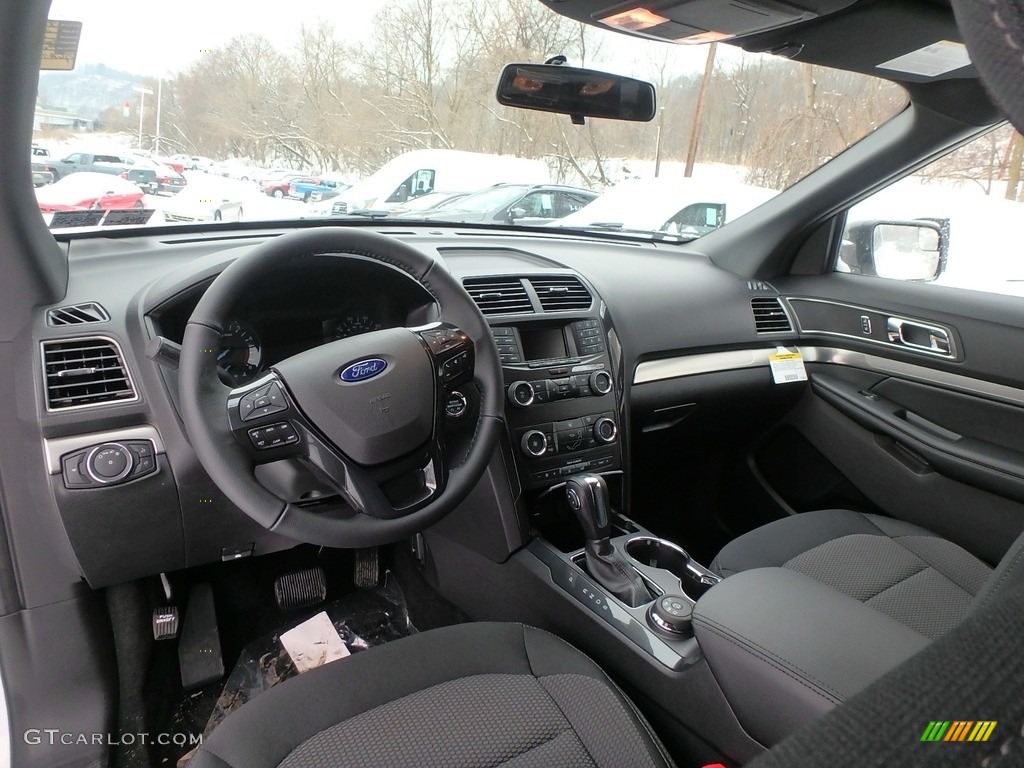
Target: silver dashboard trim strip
point(56, 447)
point(715, 362)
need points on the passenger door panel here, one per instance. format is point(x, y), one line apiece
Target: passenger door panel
point(929, 436)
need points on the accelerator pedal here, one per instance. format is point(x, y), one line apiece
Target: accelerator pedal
point(366, 568)
point(300, 589)
point(199, 654)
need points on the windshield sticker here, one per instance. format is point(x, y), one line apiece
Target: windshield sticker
point(130, 217)
point(60, 45)
point(63, 219)
point(932, 60)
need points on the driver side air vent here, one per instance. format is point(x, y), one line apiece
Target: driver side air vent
point(84, 372)
point(499, 295)
point(560, 293)
point(77, 314)
point(769, 316)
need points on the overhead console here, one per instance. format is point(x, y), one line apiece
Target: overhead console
point(555, 341)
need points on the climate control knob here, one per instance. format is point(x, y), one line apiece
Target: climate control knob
point(605, 430)
point(534, 443)
point(600, 382)
point(520, 393)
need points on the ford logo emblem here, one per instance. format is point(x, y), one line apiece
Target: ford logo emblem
point(364, 369)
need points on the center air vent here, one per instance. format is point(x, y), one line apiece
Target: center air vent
point(77, 314)
point(499, 295)
point(769, 316)
point(562, 292)
point(83, 372)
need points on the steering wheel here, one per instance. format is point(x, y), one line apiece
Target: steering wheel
point(365, 413)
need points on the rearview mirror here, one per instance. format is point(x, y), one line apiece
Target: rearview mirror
point(576, 92)
point(899, 250)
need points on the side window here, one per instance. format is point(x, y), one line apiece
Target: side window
point(75, 157)
point(570, 202)
point(954, 222)
point(419, 183)
point(696, 219)
point(537, 205)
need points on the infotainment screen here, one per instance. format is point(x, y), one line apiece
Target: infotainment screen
point(543, 343)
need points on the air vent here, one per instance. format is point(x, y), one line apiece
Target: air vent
point(499, 295)
point(561, 293)
point(769, 316)
point(758, 285)
point(77, 314)
point(85, 372)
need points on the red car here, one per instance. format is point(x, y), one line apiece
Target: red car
point(85, 190)
point(278, 186)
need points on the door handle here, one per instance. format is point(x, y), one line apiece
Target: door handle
point(909, 333)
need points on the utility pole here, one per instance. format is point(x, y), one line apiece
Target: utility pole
point(657, 149)
point(159, 102)
point(142, 106)
point(698, 112)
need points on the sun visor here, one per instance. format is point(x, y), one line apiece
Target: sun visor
point(695, 21)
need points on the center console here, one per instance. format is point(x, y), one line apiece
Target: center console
point(562, 399)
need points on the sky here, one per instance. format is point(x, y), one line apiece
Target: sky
point(182, 29)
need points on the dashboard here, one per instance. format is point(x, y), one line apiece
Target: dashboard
point(583, 314)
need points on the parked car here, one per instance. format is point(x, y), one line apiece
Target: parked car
point(38, 151)
point(512, 203)
point(310, 189)
point(88, 190)
point(432, 201)
point(76, 162)
point(194, 205)
point(175, 165)
point(41, 173)
point(278, 185)
point(193, 162)
point(155, 180)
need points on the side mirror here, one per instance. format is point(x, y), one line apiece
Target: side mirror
point(516, 213)
point(899, 250)
point(576, 92)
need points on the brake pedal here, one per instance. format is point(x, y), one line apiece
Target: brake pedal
point(366, 569)
point(199, 654)
point(300, 589)
point(165, 622)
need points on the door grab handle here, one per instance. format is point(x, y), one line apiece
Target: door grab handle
point(909, 333)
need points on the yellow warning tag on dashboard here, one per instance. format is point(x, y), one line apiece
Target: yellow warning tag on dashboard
point(60, 44)
point(787, 366)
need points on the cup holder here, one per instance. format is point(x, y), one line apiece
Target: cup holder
point(659, 553)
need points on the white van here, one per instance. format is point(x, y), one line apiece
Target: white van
point(424, 170)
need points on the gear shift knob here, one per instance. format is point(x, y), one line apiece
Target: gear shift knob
point(588, 497)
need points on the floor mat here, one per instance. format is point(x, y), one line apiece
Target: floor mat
point(363, 619)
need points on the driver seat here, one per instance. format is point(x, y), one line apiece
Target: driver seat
point(481, 694)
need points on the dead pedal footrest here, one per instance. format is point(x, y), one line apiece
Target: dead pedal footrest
point(199, 654)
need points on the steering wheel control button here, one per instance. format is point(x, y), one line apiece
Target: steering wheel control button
point(456, 405)
point(108, 463)
point(534, 443)
point(671, 614)
point(444, 340)
point(605, 430)
point(273, 436)
point(456, 367)
point(266, 400)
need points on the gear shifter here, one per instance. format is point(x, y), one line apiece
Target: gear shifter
point(588, 497)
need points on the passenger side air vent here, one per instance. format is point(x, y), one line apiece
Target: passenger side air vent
point(560, 293)
point(499, 295)
point(84, 372)
point(77, 314)
point(769, 316)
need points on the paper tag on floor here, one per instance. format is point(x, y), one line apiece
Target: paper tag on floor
point(313, 643)
point(787, 366)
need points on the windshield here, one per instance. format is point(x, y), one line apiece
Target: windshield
point(397, 99)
